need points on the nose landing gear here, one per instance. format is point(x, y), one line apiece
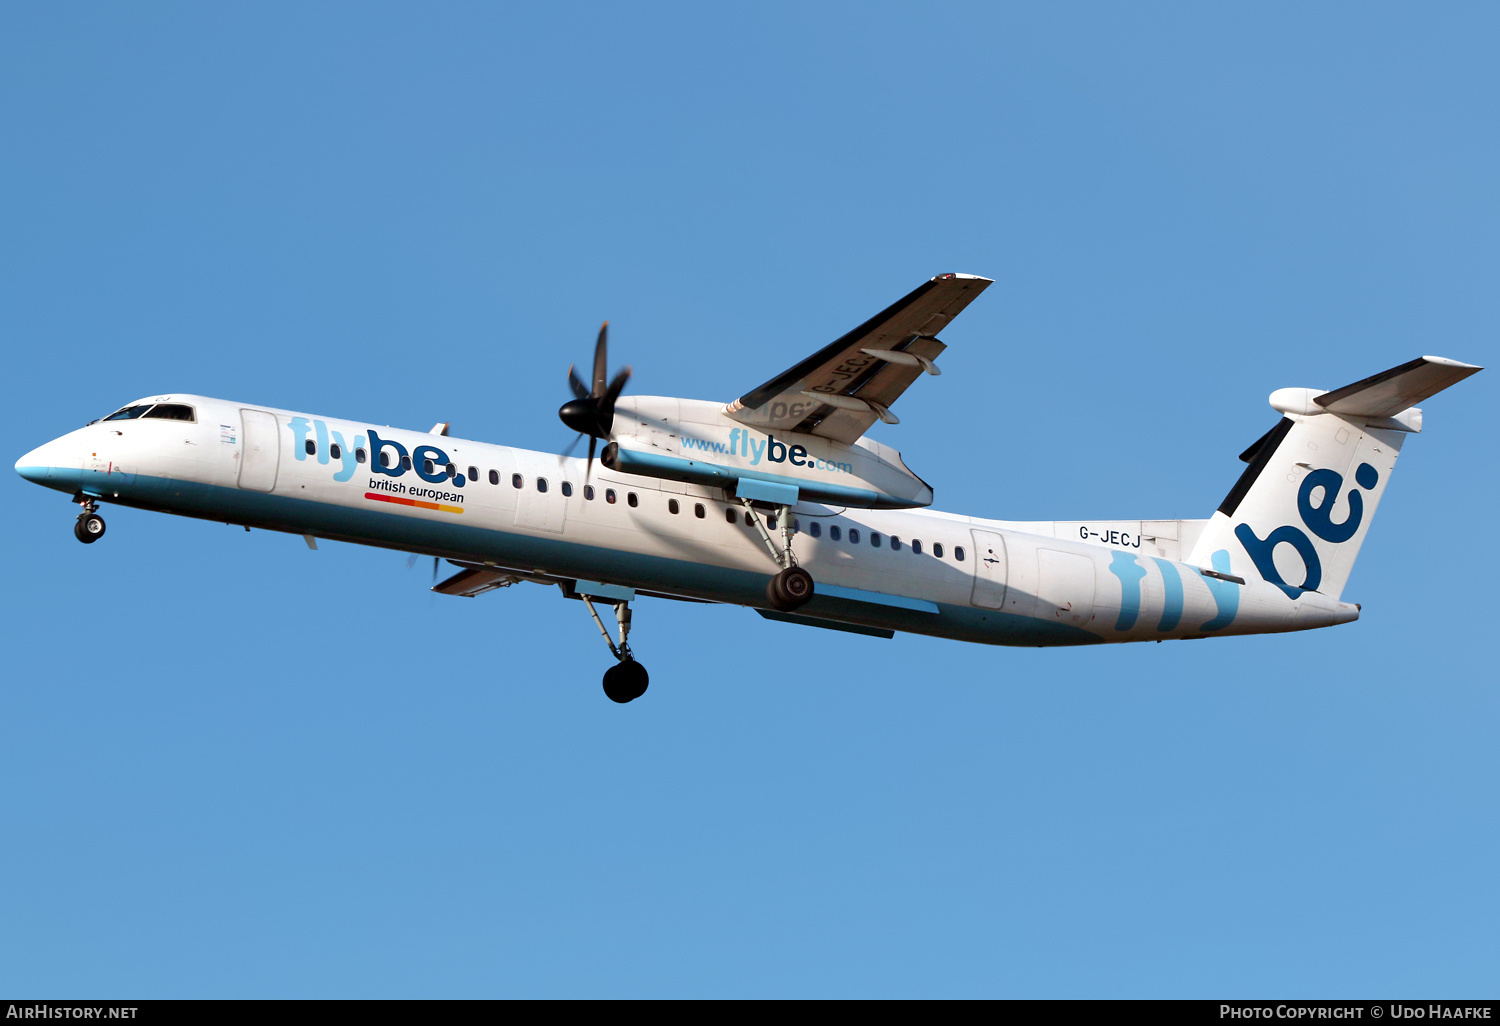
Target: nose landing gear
point(626, 680)
point(90, 525)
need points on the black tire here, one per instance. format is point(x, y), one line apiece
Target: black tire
point(625, 682)
point(634, 678)
point(89, 528)
point(790, 589)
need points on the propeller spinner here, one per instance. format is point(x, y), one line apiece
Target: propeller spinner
point(592, 411)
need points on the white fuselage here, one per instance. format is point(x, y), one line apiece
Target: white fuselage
point(916, 570)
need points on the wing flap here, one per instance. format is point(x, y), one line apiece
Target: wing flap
point(472, 582)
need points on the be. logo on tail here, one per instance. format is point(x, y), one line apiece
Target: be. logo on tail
point(1318, 519)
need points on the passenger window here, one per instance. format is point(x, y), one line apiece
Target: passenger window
point(385, 459)
point(333, 450)
point(770, 523)
point(815, 529)
point(567, 488)
point(452, 472)
point(895, 544)
point(588, 492)
point(937, 549)
point(474, 474)
point(630, 498)
point(129, 412)
point(609, 496)
point(853, 536)
point(311, 447)
point(359, 455)
point(406, 463)
point(541, 484)
point(958, 553)
point(170, 411)
point(729, 515)
point(494, 477)
point(834, 532)
point(672, 506)
point(699, 511)
point(875, 538)
point(916, 546)
point(426, 466)
point(516, 481)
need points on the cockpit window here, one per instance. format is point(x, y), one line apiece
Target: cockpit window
point(171, 411)
point(129, 412)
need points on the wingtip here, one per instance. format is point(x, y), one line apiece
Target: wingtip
point(963, 277)
point(1455, 364)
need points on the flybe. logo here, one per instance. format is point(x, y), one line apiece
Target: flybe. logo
point(388, 459)
point(1318, 519)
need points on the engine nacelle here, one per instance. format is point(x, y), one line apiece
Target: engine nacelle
point(693, 442)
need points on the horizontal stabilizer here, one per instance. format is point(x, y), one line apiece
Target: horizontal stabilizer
point(1389, 392)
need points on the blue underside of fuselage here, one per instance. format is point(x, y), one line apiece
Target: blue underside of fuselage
point(554, 556)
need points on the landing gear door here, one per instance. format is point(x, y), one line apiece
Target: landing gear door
point(990, 570)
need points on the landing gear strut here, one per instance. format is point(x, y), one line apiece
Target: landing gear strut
point(90, 525)
point(627, 679)
point(793, 586)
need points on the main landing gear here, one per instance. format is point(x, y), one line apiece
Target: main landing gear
point(792, 588)
point(627, 679)
point(90, 525)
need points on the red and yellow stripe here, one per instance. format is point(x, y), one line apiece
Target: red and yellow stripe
point(400, 501)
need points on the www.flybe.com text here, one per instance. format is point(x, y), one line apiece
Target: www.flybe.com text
point(741, 444)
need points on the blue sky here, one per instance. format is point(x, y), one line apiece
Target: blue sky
point(234, 767)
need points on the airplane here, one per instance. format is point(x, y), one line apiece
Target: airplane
point(777, 501)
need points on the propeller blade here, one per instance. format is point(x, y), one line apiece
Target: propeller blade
point(607, 404)
point(601, 360)
point(576, 384)
point(590, 469)
point(411, 561)
point(434, 570)
point(571, 446)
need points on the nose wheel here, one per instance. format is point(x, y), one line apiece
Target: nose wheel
point(90, 525)
point(627, 679)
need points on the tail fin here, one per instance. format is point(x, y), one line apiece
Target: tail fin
point(1300, 511)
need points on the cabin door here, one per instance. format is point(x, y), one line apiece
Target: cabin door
point(258, 454)
point(989, 570)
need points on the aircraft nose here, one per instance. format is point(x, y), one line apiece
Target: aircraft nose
point(37, 464)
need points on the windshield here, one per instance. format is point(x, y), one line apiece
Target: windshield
point(129, 412)
point(171, 411)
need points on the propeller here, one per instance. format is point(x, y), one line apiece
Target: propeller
point(591, 411)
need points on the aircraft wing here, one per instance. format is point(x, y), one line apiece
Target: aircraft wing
point(843, 388)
